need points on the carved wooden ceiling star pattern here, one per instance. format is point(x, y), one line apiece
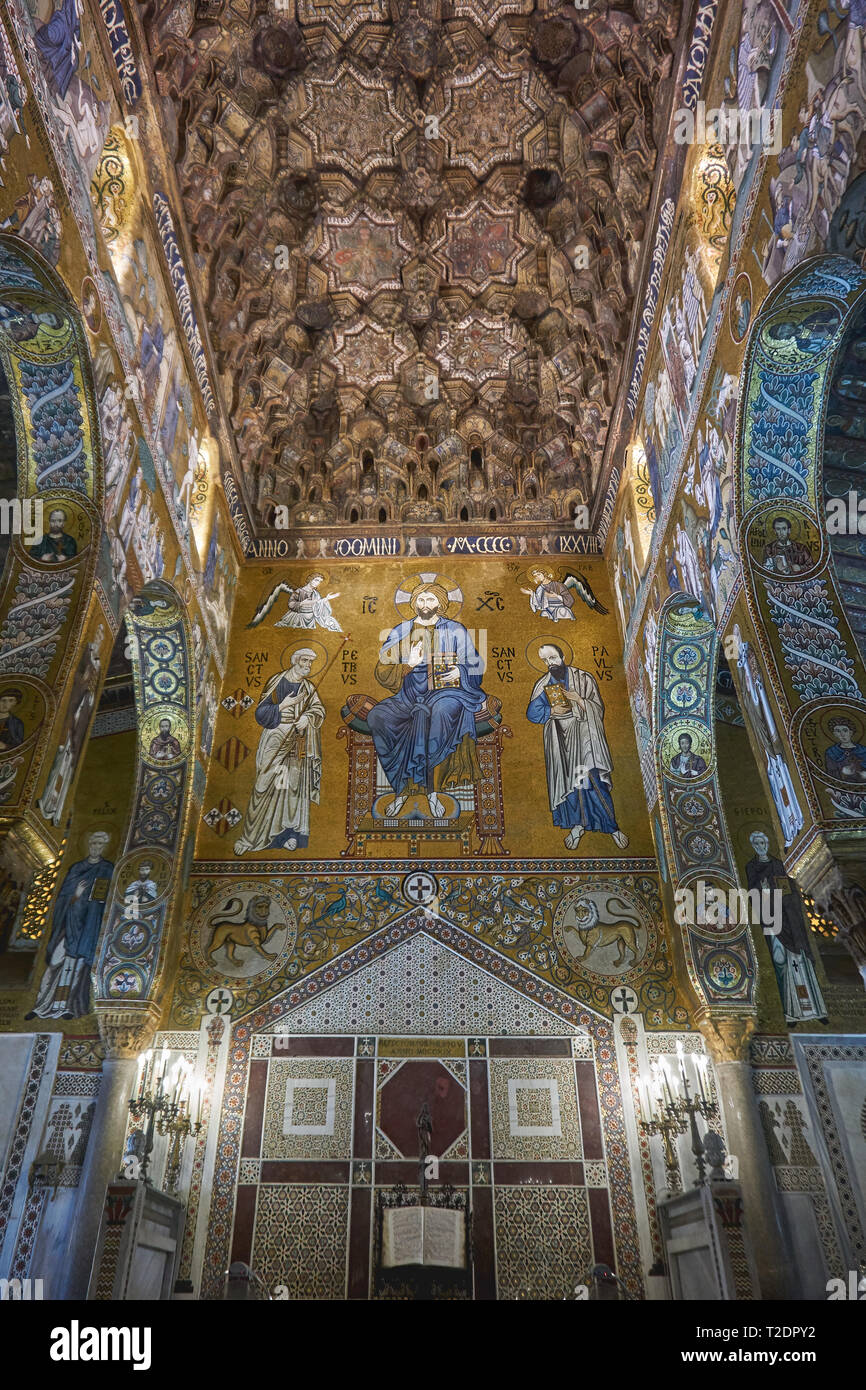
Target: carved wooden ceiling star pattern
point(418, 227)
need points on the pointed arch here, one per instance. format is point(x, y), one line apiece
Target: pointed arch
point(720, 959)
point(134, 940)
point(814, 665)
point(46, 587)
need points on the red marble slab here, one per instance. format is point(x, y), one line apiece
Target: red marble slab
point(305, 1170)
point(365, 1105)
point(590, 1118)
point(513, 1174)
point(394, 1170)
point(483, 1262)
point(251, 1144)
point(529, 1047)
point(285, 1046)
point(245, 1216)
point(359, 1243)
point(479, 1110)
point(402, 1095)
point(600, 1223)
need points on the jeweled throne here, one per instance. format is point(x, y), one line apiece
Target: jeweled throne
point(472, 808)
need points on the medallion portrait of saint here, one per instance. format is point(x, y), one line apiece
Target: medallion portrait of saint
point(164, 747)
point(424, 730)
point(846, 756)
point(784, 555)
point(687, 763)
point(56, 544)
point(11, 727)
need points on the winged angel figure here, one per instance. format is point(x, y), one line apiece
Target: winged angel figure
point(554, 598)
point(307, 608)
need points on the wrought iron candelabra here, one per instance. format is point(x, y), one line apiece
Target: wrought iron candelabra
point(165, 1105)
point(671, 1109)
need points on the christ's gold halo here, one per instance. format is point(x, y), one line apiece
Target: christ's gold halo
point(556, 640)
point(311, 645)
point(450, 596)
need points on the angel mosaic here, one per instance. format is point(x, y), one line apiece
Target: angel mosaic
point(307, 607)
point(554, 598)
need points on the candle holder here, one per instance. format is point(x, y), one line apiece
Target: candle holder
point(692, 1106)
point(668, 1126)
point(670, 1114)
point(165, 1109)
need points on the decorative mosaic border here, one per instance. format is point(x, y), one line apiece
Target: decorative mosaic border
point(815, 1054)
point(17, 1148)
point(193, 1196)
point(331, 868)
point(77, 194)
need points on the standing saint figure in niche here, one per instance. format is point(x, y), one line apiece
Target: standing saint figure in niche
point(792, 956)
point(81, 704)
point(568, 703)
point(65, 988)
point(425, 731)
point(288, 760)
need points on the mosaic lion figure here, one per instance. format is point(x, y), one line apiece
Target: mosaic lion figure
point(249, 930)
point(594, 933)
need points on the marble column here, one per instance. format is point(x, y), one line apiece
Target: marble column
point(727, 1040)
point(124, 1036)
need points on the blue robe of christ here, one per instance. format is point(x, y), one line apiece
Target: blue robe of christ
point(418, 728)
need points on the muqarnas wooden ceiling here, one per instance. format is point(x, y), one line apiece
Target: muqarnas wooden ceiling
point(418, 229)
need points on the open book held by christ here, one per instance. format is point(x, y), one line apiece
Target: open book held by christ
point(429, 1236)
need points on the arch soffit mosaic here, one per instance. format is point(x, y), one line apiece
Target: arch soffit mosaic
point(134, 943)
point(720, 958)
point(44, 601)
point(813, 661)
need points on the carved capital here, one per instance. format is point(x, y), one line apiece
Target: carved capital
point(832, 873)
point(846, 906)
point(126, 1030)
point(727, 1036)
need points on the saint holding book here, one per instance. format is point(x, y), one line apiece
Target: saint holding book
point(425, 731)
point(568, 703)
point(65, 988)
point(288, 760)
